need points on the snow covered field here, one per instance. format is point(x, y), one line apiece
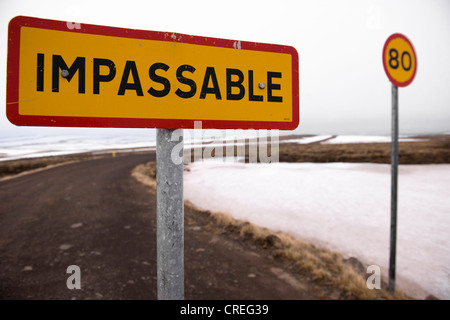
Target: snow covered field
point(344, 207)
point(43, 146)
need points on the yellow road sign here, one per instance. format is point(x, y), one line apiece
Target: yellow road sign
point(399, 60)
point(65, 74)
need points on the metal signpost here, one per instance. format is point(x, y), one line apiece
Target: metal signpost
point(400, 65)
point(169, 218)
point(65, 74)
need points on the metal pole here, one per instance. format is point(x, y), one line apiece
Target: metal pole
point(394, 178)
point(170, 218)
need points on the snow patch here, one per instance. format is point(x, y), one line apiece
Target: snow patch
point(341, 206)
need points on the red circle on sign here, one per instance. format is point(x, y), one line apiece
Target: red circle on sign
point(391, 78)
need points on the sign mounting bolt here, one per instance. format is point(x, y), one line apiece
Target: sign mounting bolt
point(64, 73)
point(262, 85)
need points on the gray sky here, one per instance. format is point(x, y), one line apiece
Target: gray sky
point(343, 86)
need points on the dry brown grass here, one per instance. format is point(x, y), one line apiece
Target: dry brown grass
point(433, 149)
point(321, 265)
point(146, 174)
point(430, 150)
point(20, 166)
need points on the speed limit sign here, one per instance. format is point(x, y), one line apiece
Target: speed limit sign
point(399, 60)
point(400, 64)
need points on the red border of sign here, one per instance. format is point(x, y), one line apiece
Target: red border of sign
point(397, 83)
point(12, 95)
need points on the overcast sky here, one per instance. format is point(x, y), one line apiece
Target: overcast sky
point(343, 86)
